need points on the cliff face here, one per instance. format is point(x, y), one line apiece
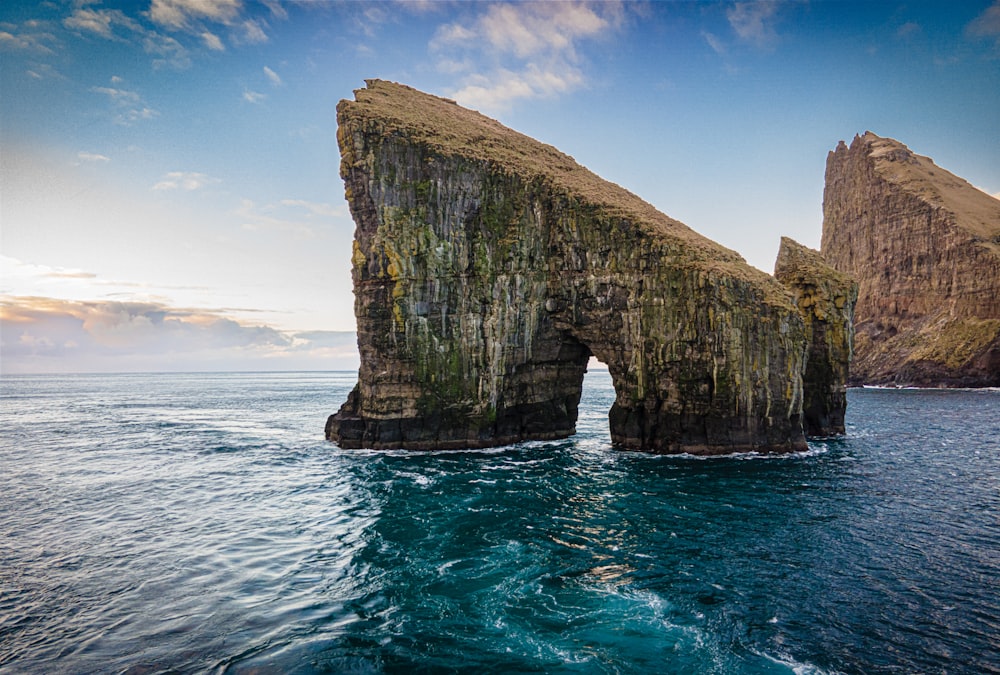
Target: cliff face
point(826, 299)
point(924, 246)
point(488, 268)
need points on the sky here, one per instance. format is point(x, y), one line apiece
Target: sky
point(170, 197)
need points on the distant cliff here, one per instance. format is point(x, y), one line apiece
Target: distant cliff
point(488, 268)
point(924, 246)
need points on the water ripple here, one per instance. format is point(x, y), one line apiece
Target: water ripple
point(197, 523)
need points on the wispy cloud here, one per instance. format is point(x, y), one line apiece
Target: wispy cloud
point(185, 14)
point(534, 48)
point(33, 37)
point(253, 96)
point(129, 105)
point(908, 30)
point(92, 157)
point(212, 41)
point(753, 22)
point(714, 42)
point(13, 270)
point(274, 78)
point(185, 180)
point(43, 71)
point(297, 216)
point(200, 19)
point(42, 334)
point(314, 208)
point(101, 22)
point(987, 24)
point(251, 31)
point(277, 11)
point(114, 24)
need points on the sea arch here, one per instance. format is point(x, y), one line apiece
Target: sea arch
point(488, 268)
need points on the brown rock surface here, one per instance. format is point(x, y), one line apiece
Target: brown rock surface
point(924, 246)
point(488, 268)
point(826, 299)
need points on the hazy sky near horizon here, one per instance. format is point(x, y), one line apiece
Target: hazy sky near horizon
point(169, 170)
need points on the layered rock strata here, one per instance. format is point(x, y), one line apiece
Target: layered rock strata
point(488, 268)
point(924, 246)
point(826, 299)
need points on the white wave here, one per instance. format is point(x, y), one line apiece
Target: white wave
point(796, 667)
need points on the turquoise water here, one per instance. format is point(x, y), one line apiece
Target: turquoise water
point(200, 523)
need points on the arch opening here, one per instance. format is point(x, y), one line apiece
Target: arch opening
point(597, 397)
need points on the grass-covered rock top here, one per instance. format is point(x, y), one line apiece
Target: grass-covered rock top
point(445, 127)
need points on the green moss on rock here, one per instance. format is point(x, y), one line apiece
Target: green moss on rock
point(494, 267)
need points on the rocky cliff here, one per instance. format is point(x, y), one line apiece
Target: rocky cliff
point(826, 299)
point(488, 268)
point(924, 246)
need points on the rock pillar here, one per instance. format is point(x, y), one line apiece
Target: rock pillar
point(826, 300)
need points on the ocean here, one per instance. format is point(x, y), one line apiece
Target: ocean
point(200, 523)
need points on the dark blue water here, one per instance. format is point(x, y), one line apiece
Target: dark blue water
point(199, 523)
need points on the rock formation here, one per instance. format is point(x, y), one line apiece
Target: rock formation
point(826, 300)
point(488, 268)
point(924, 246)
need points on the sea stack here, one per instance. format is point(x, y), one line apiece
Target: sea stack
point(826, 299)
point(489, 267)
point(924, 246)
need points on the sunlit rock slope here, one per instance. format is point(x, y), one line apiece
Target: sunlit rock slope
point(924, 246)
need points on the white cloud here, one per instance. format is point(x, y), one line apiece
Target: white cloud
point(908, 29)
point(14, 271)
point(129, 104)
point(41, 334)
point(296, 216)
point(752, 21)
point(96, 21)
point(314, 208)
point(534, 47)
point(118, 95)
point(714, 42)
point(185, 180)
point(31, 41)
point(505, 87)
point(212, 41)
point(987, 24)
point(92, 157)
point(277, 11)
point(170, 52)
point(253, 32)
point(540, 28)
point(182, 14)
point(272, 76)
point(253, 96)
point(42, 71)
point(196, 17)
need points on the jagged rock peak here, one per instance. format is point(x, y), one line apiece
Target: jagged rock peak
point(489, 268)
point(894, 162)
point(924, 246)
point(800, 264)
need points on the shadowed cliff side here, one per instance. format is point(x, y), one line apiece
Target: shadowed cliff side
point(826, 299)
point(488, 268)
point(924, 246)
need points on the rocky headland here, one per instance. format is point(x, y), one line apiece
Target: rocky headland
point(488, 268)
point(924, 246)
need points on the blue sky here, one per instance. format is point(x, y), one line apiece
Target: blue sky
point(170, 189)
